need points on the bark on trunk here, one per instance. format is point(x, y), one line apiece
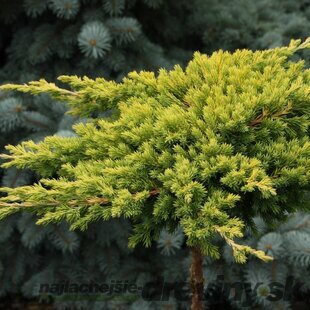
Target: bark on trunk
point(196, 279)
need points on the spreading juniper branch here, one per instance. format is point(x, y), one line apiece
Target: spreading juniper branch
point(71, 203)
point(215, 162)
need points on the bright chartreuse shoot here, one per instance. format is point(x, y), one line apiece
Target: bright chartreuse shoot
point(205, 149)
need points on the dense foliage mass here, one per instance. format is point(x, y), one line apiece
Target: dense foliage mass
point(202, 148)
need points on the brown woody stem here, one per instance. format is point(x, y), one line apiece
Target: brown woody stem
point(197, 280)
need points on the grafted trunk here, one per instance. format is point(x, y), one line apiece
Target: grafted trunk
point(196, 272)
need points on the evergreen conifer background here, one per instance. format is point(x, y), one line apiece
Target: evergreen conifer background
point(109, 38)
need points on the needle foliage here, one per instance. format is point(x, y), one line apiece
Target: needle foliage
point(205, 149)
